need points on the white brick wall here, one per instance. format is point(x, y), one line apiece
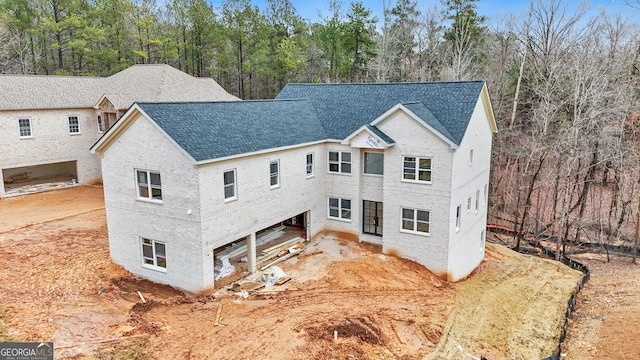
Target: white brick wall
point(412, 139)
point(128, 219)
point(51, 141)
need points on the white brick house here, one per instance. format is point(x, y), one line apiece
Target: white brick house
point(48, 123)
point(401, 165)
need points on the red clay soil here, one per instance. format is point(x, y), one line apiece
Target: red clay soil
point(59, 285)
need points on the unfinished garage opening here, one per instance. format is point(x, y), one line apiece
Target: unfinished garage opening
point(29, 179)
point(231, 260)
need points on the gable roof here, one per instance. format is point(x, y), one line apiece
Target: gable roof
point(216, 130)
point(343, 108)
point(137, 83)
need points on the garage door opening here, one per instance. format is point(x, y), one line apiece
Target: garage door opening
point(30, 179)
point(231, 259)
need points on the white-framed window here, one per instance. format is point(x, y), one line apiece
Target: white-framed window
point(339, 209)
point(153, 254)
point(149, 186)
point(470, 157)
point(100, 124)
point(469, 204)
point(374, 163)
point(24, 127)
point(458, 217)
point(229, 178)
point(310, 165)
point(482, 239)
point(486, 195)
point(74, 125)
point(274, 173)
point(415, 221)
point(416, 169)
point(477, 200)
point(340, 162)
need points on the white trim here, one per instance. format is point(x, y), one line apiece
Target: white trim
point(69, 124)
point(347, 140)
point(30, 136)
point(415, 221)
point(149, 198)
point(235, 186)
point(259, 152)
point(417, 173)
point(277, 185)
point(313, 165)
point(417, 119)
point(340, 162)
point(340, 209)
point(155, 255)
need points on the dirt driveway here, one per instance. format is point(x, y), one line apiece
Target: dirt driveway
point(59, 285)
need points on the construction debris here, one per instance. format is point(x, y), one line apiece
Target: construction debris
point(271, 277)
point(223, 267)
point(141, 297)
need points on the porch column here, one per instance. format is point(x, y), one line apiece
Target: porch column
point(251, 253)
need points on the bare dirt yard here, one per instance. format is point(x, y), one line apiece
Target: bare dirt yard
point(58, 284)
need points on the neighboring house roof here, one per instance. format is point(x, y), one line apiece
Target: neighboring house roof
point(136, 83)
point(222, 129)
point(343, 108)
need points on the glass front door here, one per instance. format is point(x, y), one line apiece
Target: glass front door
point(372, 217)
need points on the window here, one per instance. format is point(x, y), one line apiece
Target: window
point(100, 125)
point(340, 162)
point(230, 185)
point(25, 128)
point(477, 200)
point(340, 208)
point(153, 254)
point(486, 195)
point(74, 125)
point(482, 239)
point(309, 164)
point(416, 169)
point(469, 204)
point(470, 157)
point(274, 173)
point(372, 217)
point(149, 185)
point(373, 163)
point(458, 215)
point(415, 221)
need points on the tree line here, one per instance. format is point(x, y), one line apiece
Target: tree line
point(564, 79)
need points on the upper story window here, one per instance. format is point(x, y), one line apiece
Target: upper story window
point(74, 125)
point(340, 162)
point(470, 157)
point(24, 125)
point(309, 164)
point(100, 124)
point(340, 208)
point(469, 204)
point(477, 200)
point(230, 185)
point(415, 221)
point(149, 185)
point(154, 254)
point(416, 169)
point(373, 163)
point(458, 217)
point(274, 173)
point(486, 195)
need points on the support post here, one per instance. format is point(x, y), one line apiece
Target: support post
point(251, 253)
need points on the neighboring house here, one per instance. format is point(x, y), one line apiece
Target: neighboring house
point(402, 165)
point(48, 123)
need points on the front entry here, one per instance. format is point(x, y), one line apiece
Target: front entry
point(372, 217)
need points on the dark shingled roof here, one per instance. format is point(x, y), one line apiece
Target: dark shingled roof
point(211, 130)
point(344, 108)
